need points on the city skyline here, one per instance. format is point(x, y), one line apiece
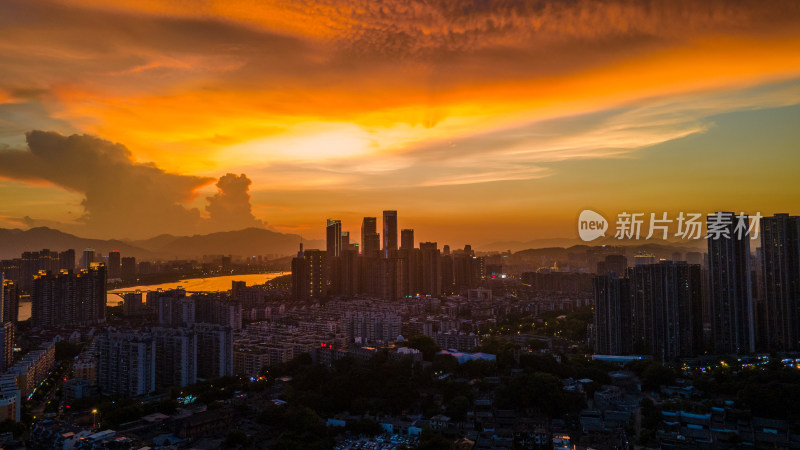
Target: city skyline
point(399, 224)
point(498, 120)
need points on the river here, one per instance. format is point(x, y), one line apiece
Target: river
point(210, 284)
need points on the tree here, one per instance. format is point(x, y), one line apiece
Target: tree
point(431, 440)
point(458, 407)
point(537, 344)
point(444, 364)
point(425, 344)
point(236, 439)
point(656, 375)
point(9, 426)
point(538, 390)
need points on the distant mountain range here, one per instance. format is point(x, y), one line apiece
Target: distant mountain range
point(259, 241)
point(515, 246)
point(246, 242)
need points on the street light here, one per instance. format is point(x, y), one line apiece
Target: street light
point(94, 418)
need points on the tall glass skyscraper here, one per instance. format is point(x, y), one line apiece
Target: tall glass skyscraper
point(389, 231)
point(334, 237)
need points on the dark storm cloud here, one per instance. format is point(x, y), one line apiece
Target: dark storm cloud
point(124, 198)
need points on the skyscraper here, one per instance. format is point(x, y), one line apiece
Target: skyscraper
point(28, 267)
point(431, 283)
point(300, 276)
point(389, 232)
point(412, 271)
point(730, 288)
point(665, 300)
point(6, 346)
point(446, 267)
point(780, 247)
point(346, 245)
point(349, 271)
point(469, 271)
point(370, 239)
point(406, 239)
point(114, 265)
point(10, 300)
point(88, 258)
point(333, 232)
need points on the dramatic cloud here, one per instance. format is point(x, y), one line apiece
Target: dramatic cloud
point(230, 207)
point(457, 96)
point(123, 198)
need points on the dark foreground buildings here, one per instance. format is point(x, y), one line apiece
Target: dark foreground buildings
point(658, 309)
point(730, 291)
point(654, 310)
point(780, 254)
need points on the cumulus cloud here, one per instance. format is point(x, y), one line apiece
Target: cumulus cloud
point(230, 207)
point(123, 198)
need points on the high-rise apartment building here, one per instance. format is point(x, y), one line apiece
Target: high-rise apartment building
point(175, 355)
point(128, 268)
point(780, 272)
point(655, 311)
point(114, 265)
point(6, 346)
point(612, 315)
point(730, 287)
point(214, 350)
point(132, 304)
point(10, 295)
point(406, 239)
point(126, 363)
point(66, 260)
point(309, 270)
point(69, 298)
point(431, 282)
point(664, 306)
point(175, 309)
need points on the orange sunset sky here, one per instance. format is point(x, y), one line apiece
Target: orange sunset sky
point(478, 121)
